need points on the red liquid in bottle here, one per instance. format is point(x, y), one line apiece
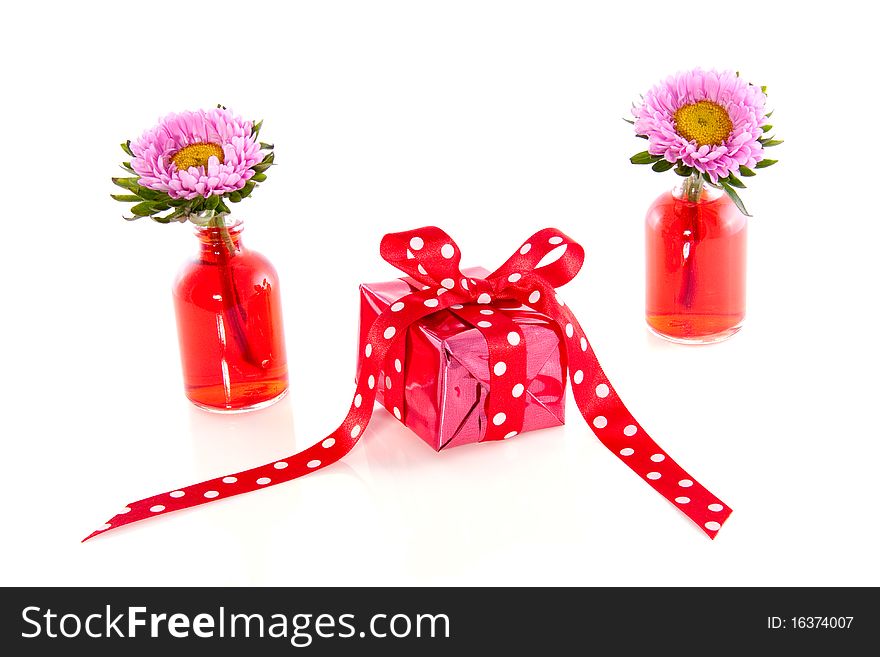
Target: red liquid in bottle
point(229, 325)
point(695, 267)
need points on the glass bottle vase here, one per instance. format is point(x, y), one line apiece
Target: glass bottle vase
point(229, 324)
point(695, 248)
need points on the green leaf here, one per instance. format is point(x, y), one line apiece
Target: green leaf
point(709, 182)
point(142, 209)
point(645, 158)
point(663, 165)
point(737, 201)
point(247, 189)
point(150, 194)
point(266, 146)
point(259, 177)
point(126, 198)
point(733, 181)
point(630, 121)
point(256, 129)
point(127, 167)
point(745, 172)
point(125, 183)
point(127, 148)
point(212, 202)
point(222, 207)
point(683, 171)
point(642, 136)
point(763, 90)
point(763, 164)
point(772, 142)
point(769, 114)
point(234, 197)
point(767, 128)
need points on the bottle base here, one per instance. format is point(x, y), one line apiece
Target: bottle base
point(694, 329)
point(230, 409)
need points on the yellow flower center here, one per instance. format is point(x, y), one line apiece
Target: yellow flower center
point(704, 122)
point(196, 155)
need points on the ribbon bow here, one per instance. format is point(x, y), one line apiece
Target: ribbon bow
point(430, 257)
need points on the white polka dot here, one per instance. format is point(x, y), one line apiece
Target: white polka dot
point(653, 475)
point(398, 365)
point(518, 390)
point(559, 299)
point(457, 306)
point(683, 500)
point(500, 368)
point(422, 271)
point(629, 430)
point(510, 435)
point(525, 248)
point(368, 350)
point(657, 458)
point(397, 413)
point(513, 278)
point(534, 296)
point(578, 377)
point(499, 419)
point(712, 526)
point(314, 463)
point(448, 283)
point(685, 483)
point(397, 307)
point(157, 509)
point(416, 243)
point(484, 298)
point(441, 290)
point(280, 465)
point(513, 338)
point(387, 382)
point(389, 332)
point(600, 422)
point(487, 311)
point(371, 382)
point(627, 451)
point(177, 493)
point(447, 251)
point(602, 390)
point(358, 400)
point(569, 330)
point(104, 527)
point(328, 443)
point(230, 480)
point(583, 344)
point(262, 481)
point(211, 494)
point(432, 303)
point(125, 510)
point(715, 507)
point(555, 240)
point(355, 431)
point(484, 324)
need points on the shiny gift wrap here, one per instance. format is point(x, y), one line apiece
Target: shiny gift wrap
point(431, 259)
point(445, 366)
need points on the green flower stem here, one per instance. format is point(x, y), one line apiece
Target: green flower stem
point(693, 187)
point(236, 313)
point(692, 190)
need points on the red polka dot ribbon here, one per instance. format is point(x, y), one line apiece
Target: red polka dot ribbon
point(431, 258)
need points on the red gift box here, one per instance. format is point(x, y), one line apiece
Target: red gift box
point(445, 367)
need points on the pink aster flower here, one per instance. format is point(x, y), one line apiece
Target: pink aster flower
point(706, 120)
point(194, 154)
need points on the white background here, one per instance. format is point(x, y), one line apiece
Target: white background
point(491, 120)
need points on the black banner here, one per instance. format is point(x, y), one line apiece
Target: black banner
point(278, 621)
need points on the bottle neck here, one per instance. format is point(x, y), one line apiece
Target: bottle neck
point(693, 189)
point(220, 239)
